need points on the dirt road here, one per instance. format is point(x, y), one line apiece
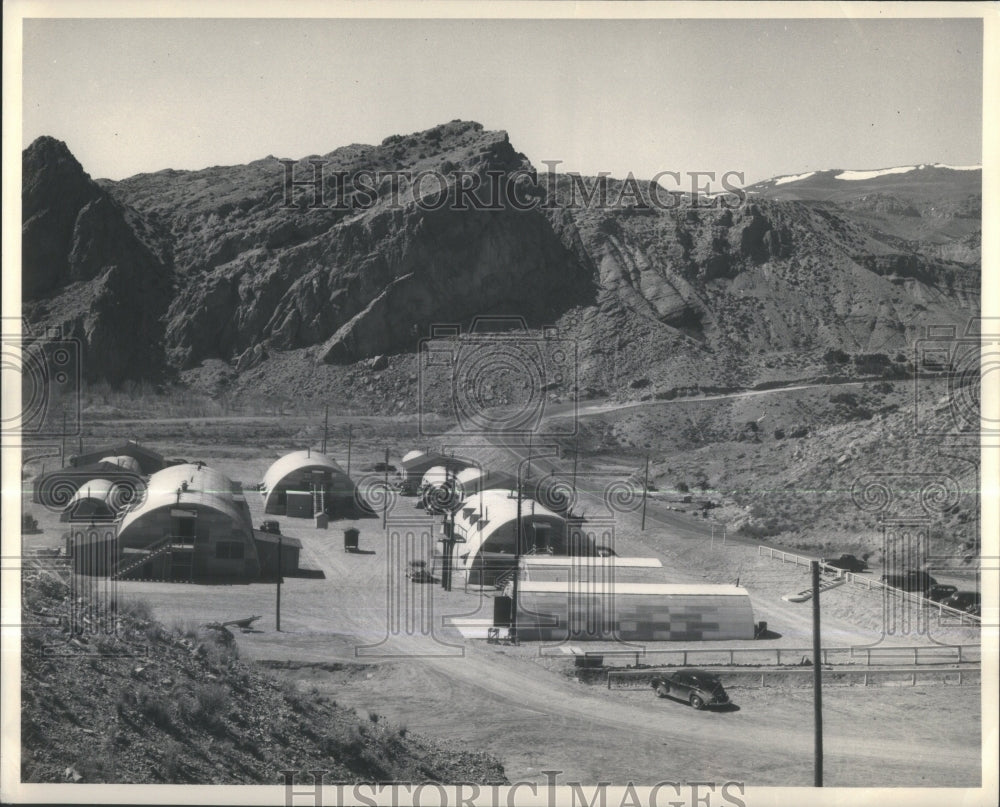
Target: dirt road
point(534, 716)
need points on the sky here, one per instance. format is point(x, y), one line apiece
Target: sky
point(765, 97)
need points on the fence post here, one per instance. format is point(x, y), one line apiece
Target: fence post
point(778, 650)
point(685, 662)
point(730, 658)
point(960, 654)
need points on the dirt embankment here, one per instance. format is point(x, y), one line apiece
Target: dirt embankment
point(152, 704)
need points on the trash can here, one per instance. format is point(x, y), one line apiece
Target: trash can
point(351, 540)
point(761, 630)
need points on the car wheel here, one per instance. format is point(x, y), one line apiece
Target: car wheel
point(697, 702)
point(662, 690)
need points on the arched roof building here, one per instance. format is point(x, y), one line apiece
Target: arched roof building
point(486, 527)
point(193, 523)
point(474, 480)
point(304, 483)
point(94, 500)
point(124, 461)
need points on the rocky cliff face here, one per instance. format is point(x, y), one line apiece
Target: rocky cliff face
point(169, 271)
point(87, 268)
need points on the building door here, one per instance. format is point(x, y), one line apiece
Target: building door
point(184, 524)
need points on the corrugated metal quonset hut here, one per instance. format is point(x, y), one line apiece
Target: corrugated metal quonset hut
point(592, 569)
point(94, 500)
point(474, 480)
point(487, 523)
point(193, 524)
point(149, 461)
point(125, 462)
point(304, 483)
point(436, 476)
point(558, 611)
point(412, 468)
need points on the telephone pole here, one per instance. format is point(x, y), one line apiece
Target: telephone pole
point(817, 683)
point(645, 485)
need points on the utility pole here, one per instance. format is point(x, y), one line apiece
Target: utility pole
point(817, 683)
point(277, 607)
point(350, 434)
point(576, 453)
point(517, 548)
point(326, 424)
point(645, 485)
point(385, 496)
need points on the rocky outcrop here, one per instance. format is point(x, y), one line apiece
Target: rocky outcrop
point(87, 271)
point(165, 272)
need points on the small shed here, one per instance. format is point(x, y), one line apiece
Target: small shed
point(267, 553)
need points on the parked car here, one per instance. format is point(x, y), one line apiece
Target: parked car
point(911, 580)
point(270, 526)
point(967, 601)
point(697, 687)
point(418, 573)
point(940, 592)
point(849, 563)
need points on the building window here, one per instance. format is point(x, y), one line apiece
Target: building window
point(229, 550)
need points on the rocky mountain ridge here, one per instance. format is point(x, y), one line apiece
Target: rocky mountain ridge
point(215, 268)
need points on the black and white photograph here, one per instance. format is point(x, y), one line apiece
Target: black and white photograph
point(457, 403)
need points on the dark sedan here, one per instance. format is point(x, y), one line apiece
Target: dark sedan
point(697, 687)
point(849, 563)
point(967, 601)
point(940, 592)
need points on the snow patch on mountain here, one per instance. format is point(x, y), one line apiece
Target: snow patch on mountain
point(880, 172)
point(959, 167)
point(793, 178)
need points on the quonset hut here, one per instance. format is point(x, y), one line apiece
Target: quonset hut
point(192, 524)
point(416, 464)
point(95, 500)
point(475, 480)
point(147, 460)
point(486, 529)
point(304, 483)
point(626, 611)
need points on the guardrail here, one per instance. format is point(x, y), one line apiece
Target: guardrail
point(869, 583)
point(841, 676)
point(758, 656)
